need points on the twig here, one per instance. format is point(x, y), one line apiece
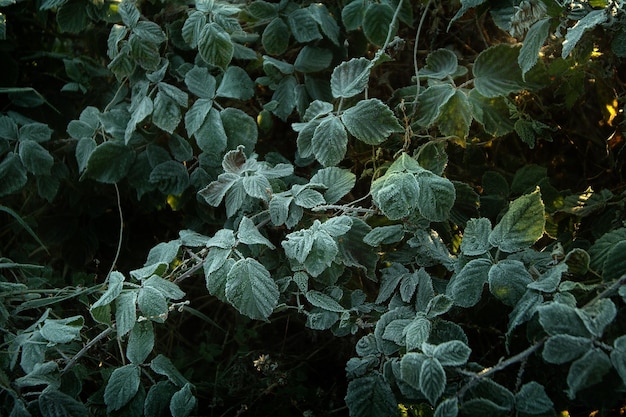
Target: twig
point(119, 242)
point(85, 348)
point(415, 66)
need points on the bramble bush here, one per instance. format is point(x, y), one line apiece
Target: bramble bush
point(364, 208)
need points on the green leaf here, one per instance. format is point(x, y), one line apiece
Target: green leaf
point(455, 117)
point(150, 32)
point(163, 366)
point(303, 26)
point(275, 37)
point(84, 148)
point(152, 304)
point(395, 194)
point(180, 149)
point(200, 82)
point(618, 356)
point(215, 46)
point(322, 253)
point(587, 370)
point(452, 353)
point(38, 132)
point(251, 289)
point(110, 162)
point(146, 54)
point(158, 399)
point(447, 408)
point(170, 177)
point(508, 280)
point(431, 101)
point(12, 174)
point(143, 110)
point(496, 71)
point(492, 113)
point(211, 136)
point(196, 116)
point(350, 78)
point(313, 59)
point(62, 330)
point(249, 234)
point(324, 301)
point(615, 263)
point(352, 14)
point(385, 235)
point(326, 21)
point(557, 318)
point(522, 225)
point(236, 83)
point(129, 13)
point(125, 312)
point(370, 121)
point(466, 287)
point(532, 399)
point(549, 281)
point(432, 379)
point(140, 342)
point(183, 402)
point(54, 403)
point(440, 64)
point(371, 396)
point(476, 237)
point(534, 40)
point(166, 114)
point(337, 226)
point(436, 196)
point(240, 128)
point(35, 158)
point(257, 186)
point(114, 288)
point(417, 332)
point(169, 289)
point(330, 141)
point(284, 98)
point(121, 387)
point(598, 315)
point(573, 35)
point(377, 23)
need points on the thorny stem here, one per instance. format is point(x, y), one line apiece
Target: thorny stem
point(85, 348)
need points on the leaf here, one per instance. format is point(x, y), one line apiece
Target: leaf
point(534, 40)
point(158, 398)
point(417, 333)
point(152, 304)
point(615, 263)
point(313, 59)
point(12, 174)
point(618, 356)
point(436, 196)
point(508, 280)
point(249, 234)
point(587, 370)
point(326, 302)
point(240, 128)
point(330, 141)
point(170, 177)
point(452, 353)
point(440, 64)
point(589, 21)
point(284, 98)
point(150, 32)
point(323, 251)
point(125, 312)
point(303, 26)
point(275, 37)
point(236, 83)
point(109, 162)
point(395, 194)
point(492, 113)
point(352, 14)
point(121, 387)
point(496, 71)
point(370, 121)
point(598, 315)
point(54, 403)
point(166, 114)
point(38, 132)
point(167, 288)
point(455, 117)
point(183, 402)
point(385, 235)
point(62, 330)
point(326, 21)
point(549, 281)
point(114, 289)
point(532, 399)
point(140, 342)
point(557, 318)
point(215, 46)
point(447, 408)
point(371, 396)
point(163, 366)
point(200, 82)
point(251, 289)
point(337, 226)
point(466, 287)
point(522, 224)
point(350, 78)
point(432, 379)
point(476, 237)
point(129, 13)
point(377, 23)
point(431, 101)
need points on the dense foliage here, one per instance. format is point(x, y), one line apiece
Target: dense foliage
point(365, 208)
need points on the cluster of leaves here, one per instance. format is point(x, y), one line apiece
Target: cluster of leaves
point(364, 230)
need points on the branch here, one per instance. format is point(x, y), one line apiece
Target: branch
point(85, 348)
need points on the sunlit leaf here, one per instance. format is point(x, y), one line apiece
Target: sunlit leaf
point(497, 72)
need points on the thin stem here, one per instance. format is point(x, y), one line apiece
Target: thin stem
point(415, 66)
point(121, 231)
point(344, 208)
point(85, 348)
point(604, 294)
